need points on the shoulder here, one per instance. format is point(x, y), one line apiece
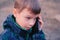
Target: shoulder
point(5, 35)
point(41, 34)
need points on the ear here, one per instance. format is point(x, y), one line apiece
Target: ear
point(15, 12)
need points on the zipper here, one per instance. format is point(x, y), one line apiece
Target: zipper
point(27, 37)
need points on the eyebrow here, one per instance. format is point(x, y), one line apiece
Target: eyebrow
point(32, 17)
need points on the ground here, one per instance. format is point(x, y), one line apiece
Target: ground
point(50, 15)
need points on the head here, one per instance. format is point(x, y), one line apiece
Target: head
point(26, 12)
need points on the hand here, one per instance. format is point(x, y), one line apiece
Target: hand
point(40, 23)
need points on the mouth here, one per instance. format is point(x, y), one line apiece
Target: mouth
point(27, 28)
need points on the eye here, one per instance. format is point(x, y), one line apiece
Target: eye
point(28, 17)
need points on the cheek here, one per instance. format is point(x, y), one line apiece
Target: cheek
point(23, 22)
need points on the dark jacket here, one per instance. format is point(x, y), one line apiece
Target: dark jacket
point(12, 31)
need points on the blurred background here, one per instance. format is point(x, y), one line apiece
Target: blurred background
point(50, 15)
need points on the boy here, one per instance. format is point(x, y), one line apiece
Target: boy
point(24, 23)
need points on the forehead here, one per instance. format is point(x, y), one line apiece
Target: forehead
point(27, 12)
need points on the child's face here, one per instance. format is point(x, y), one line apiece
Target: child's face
point(26, 19)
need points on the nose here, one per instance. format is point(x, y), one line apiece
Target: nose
point(31, 23)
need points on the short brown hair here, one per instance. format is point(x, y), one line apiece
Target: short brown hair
point(33, 5)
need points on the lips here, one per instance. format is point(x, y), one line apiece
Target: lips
point(27, 28)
